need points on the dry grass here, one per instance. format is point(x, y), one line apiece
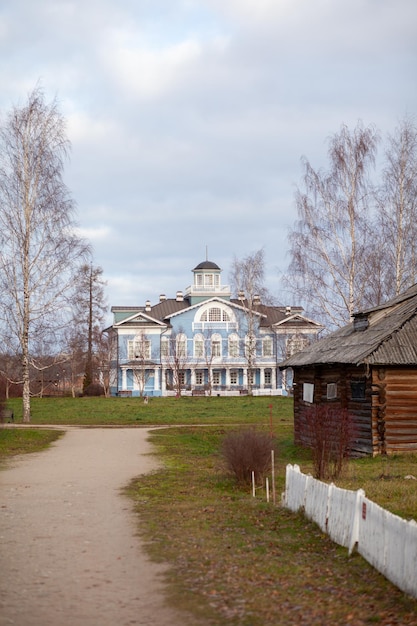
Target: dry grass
point(238, 560)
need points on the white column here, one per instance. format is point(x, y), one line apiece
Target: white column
point(124, 383)
point(156, 379)
point(227, 377)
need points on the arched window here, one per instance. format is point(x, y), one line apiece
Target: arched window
point(216, 345)
point(181, 345)
point(215, 314)
point(198, 346)
point(233, 342)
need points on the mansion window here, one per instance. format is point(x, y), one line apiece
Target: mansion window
point(233, 346)
point(233, 378)
point(267, 346)
point(139, 349)
point(164, 348)
point(216, 378)
point(181, 346)
point(181, 377)
point(268, 377)
point(296, 343)
point(198, 346)
point(215, 314)
point(216, 346)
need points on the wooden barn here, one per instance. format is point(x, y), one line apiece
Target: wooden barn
point(369, 367)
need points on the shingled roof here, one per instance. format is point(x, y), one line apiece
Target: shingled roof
point(384, 335)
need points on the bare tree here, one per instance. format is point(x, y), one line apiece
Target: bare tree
point(142, 358)
point(397, 218)
point(247, 279)
point(89, 307)
point(329, 243)
point(177, 359)
point(37, 236)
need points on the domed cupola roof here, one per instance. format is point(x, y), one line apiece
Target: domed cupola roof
point(206, 265)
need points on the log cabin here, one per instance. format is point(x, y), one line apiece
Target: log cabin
point(368, 367)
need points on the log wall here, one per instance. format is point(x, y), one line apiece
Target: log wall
point(394, 410)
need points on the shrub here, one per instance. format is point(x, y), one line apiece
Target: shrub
point(248, 451)
point(95, 389)
point(330, 433)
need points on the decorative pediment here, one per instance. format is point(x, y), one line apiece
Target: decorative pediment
point(297, 323)
point(140, 319)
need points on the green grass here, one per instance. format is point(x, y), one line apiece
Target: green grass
point(15, 441)
point(133, 411)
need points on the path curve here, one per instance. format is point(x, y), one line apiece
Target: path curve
point(69, 553)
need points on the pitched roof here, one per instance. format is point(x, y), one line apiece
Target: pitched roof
point(384, 335)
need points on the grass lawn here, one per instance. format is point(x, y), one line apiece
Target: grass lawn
point(235, 559)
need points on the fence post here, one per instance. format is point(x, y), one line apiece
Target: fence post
point(354, 533)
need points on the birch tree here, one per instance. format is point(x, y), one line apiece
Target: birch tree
point(329, 242)
point(397, 217)
point(37, 236)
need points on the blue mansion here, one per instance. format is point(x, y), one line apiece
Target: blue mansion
point(204, 342)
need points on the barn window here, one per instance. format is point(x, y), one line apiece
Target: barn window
point(331, 391)
point(357, 389)
point(308, 392)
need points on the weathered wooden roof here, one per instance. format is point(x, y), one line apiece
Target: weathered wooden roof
point(384, 335)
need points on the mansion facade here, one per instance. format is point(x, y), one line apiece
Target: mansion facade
point(204, 342)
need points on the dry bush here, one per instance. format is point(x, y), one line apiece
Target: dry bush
point(94, 389)
point(248, 451)
point(330, 432)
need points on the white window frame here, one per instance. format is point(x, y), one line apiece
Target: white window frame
point(199, 377)
point(216, 346)
point(308, 392)
point(139, 349)
point(199, 346)
point(234, 379)
point(217, 377)
point(233, 346)
point(181, 345)
point(267, 347)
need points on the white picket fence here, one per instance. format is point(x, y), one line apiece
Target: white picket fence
point(386, 541)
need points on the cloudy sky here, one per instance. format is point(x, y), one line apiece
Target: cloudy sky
point(188, 118)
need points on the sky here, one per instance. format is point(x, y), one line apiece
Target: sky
point(188, 119)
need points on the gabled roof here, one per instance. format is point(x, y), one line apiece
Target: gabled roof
point(138, 318)
point(384, 335)
point(215, 299)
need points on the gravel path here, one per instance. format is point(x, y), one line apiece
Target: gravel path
point(69, 555)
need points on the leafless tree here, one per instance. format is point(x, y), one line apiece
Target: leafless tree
point(39, 246)
point(177, 359)
point(397, 217)
point(142, 359)
point(89, 307)
point(329, 243)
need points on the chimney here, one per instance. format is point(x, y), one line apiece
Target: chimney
point(179, 297)
point(287, 310)
point(148, 306)
point(256, 300)
point(162, 297)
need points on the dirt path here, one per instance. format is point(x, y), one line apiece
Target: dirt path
point(69, 555)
